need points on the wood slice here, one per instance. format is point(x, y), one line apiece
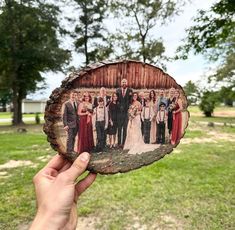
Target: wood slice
point(141, 77)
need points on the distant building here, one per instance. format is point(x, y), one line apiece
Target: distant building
point(33, 106)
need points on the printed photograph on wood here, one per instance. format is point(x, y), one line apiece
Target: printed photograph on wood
point(126, 114)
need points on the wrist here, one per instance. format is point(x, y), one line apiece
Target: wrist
point(46, 220)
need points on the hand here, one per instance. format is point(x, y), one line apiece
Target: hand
point(57, 192)
point(66, 128)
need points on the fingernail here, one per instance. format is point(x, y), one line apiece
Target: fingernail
point(84, 156)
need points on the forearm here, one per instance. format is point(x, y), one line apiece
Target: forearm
point(178, 110)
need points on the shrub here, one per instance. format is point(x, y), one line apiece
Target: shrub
point(37, 118)
point(208, 102)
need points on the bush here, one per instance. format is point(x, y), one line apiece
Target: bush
point(208, 102)
point(37, 118)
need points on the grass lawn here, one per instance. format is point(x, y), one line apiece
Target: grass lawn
point(221, 115)
point(217, 119)
point(30, 117)
point(192, 188)
point(5, 115)
point(219, 109)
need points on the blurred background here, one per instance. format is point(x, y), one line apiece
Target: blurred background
point(193, 41)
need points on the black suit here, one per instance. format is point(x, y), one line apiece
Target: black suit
point(124, 103)
point(71, 119)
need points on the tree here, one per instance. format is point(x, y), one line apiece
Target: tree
point(214, 36)
point(90, 31)
point(142, 17)
point(192, 92)
point(227, 95)
point(28, 47)
point(208, 102)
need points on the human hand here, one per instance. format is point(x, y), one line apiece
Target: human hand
point(66, 128)
point(57, 192)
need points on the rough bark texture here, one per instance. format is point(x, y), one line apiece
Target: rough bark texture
point(109, 75)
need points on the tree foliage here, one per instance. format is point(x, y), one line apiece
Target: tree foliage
point(227, 95)
point(136, 37)
point(208, 102)
point(192, 92)
point(90, 38)
point(214, 36)
point(28, 46)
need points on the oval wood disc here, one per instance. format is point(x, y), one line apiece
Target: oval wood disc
point(140, 77)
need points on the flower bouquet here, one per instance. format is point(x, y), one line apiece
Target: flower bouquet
point(132, 112)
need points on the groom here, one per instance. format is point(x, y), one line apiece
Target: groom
point(124, 95)
point(71, 120)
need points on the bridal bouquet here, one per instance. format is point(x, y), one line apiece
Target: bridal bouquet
point(88, 108)
point(132, 112)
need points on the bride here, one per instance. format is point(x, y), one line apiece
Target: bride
point(134, 140)
point(134, 135)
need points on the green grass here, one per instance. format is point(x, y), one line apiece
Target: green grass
point(195, 109)
point(26, 122)
point(192, 188)
point(6, 115)
point(227, 120)
point(197, 115)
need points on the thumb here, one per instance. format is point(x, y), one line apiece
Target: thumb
point(78, 166)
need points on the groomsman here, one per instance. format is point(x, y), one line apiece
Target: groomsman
point(71, 120)
point(124, 95)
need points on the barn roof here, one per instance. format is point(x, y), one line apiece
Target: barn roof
point(110, 73)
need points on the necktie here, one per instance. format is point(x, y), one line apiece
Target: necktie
point(74, 106)
point(123, 92)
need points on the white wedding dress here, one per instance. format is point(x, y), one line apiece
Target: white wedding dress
point(134, 140)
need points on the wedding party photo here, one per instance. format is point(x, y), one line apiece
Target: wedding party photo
point(123, 119)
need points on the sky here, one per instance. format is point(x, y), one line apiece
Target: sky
point(194, 68)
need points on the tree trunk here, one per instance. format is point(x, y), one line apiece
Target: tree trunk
point(208, 114)
point(17, 108)
point(86, 38)
point(4, 107)
point(143, 47)
point(86, 51)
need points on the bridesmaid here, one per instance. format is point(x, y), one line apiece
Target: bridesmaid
point(152, 104)
point(113, 119)
point(177, 119)
point(85, 139)
point(171, 104)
